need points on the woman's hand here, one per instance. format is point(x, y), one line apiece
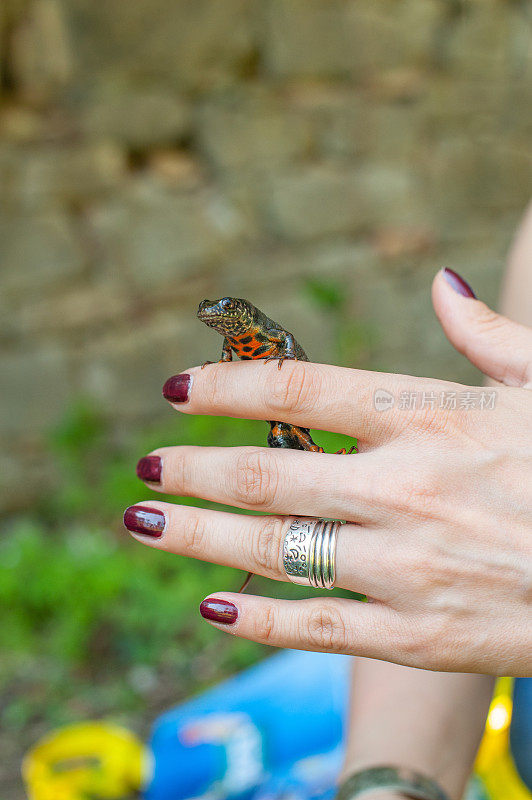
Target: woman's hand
point(438, 501)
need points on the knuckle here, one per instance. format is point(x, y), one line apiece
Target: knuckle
point(326, 629)
point(417, 644)
point(432, 420)
point(433, 575)
point(371, 487)
point(430, 644)
point(256, 478)
point(266, 546)
point(293, 389)
point(266, 625)
point(488, 321)
point(431, 415)
point(418, 494)
point(422, 573)
point(517, 373)
point(212, 387)
point(407, 494)
point(193, 534)
point(178, 470)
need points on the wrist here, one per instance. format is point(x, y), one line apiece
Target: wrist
point(384, 794)
point(389, 781)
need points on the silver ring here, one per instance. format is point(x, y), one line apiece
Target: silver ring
point(309, 552)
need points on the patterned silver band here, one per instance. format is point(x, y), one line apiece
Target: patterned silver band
point(397, 779)
point(309, 552)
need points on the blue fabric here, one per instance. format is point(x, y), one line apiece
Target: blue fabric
point(276, 732)
point(521, 729)
point(272, 731)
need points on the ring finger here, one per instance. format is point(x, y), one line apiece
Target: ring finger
point(255, 544)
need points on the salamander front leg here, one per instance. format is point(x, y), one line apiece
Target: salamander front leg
point(227, 355)
point(288, 350)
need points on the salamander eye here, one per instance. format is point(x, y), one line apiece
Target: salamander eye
point(228, 303)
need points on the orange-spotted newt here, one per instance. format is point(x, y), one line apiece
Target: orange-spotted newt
point(250, 334)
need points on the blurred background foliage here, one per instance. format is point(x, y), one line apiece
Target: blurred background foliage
point(322, 158)
point(94, 624)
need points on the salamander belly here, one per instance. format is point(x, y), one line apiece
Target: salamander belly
point(253, 346)
point(282, 434)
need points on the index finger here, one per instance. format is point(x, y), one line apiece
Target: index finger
point(309, 395)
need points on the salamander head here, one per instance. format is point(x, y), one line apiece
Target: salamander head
point(230, 316)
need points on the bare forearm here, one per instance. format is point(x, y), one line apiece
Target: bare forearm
point(429, 721)
point(516, 296)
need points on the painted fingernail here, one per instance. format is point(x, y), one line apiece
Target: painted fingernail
point(149, 469)
point(219, 610)
point(142, 519)
point(457, 283)
point(177, 388)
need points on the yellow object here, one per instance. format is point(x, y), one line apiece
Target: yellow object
point(494, 765)
point(93, 759)
point(104, 761)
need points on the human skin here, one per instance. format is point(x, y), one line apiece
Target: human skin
point(430, 721)
point(438, 503)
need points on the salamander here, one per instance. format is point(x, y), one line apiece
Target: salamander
point(250, 334)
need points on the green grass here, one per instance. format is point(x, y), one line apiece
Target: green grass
point(88, 607)
point(94, 623)
point(97, 625)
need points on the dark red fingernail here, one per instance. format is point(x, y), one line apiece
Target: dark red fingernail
point(177, 388)
point(149, 469)
point(219, 610)
point(457, 283)
point(142, 519)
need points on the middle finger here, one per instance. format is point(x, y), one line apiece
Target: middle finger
point(272, 480)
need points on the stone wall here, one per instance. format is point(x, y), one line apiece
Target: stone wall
point(156, 152)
